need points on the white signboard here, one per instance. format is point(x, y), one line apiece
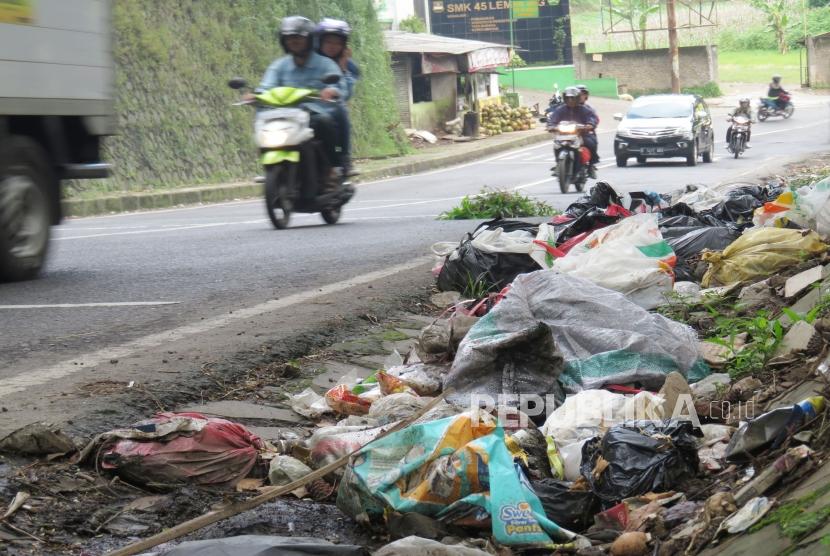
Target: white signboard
point(487, 58)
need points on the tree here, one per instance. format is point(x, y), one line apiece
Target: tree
point(778, 19)
point(413, 24)
point(636, 13)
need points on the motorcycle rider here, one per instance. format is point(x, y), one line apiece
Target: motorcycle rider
point(744, 108)
point(573, 111)
point(304, 68)
point(774, 93)
point(584, 94)
point(332, 41)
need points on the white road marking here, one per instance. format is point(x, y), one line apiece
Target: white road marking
point(32, 378)
point(78, 305)
point(164, 229)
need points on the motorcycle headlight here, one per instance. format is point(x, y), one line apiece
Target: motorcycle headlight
point(274, 135)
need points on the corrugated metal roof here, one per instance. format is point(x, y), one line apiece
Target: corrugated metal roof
point(400, 41)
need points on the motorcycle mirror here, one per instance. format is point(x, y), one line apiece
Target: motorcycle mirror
point(618, 116)
point(331, 79)
point(237, 83)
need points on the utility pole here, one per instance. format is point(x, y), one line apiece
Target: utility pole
point(674, 53)
point(512, 47)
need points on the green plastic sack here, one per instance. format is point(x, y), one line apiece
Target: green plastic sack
point(458, 470)
point(759, 253)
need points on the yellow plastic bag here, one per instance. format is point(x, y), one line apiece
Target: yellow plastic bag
point(760, 252)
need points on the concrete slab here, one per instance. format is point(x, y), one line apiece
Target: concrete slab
point(803, 305)
point(243, 410)
point(797, 339)
point(803, 280)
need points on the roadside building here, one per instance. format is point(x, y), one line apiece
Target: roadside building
point(437, 78)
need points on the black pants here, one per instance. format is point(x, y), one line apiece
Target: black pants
point(330, 122)
point(590, 141)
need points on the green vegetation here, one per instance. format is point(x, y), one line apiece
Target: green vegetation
point(413, 24)
point(793, 519)
point(763, 335)
point(496, 203)
point(709, 90)
point(173, 60)
point(757, 66)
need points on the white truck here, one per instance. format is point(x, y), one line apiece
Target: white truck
point(56, 104)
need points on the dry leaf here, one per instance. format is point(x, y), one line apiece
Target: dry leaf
point(249, 485)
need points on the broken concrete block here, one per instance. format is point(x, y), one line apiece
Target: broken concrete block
point(715, 355)
point(756, 295)
point(445, 299)
point(803, 305)
point(674, 387)
point(797, 339)
point(803, 280)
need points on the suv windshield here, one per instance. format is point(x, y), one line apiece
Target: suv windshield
point(661, 109)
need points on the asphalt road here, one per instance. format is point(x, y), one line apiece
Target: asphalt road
point(112, 281)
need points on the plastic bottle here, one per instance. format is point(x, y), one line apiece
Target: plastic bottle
point(772, 428)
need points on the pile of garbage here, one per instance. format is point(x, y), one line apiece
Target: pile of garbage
point(618, 380)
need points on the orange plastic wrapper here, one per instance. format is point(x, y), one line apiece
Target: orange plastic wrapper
point(342, 400)
point(392, 385)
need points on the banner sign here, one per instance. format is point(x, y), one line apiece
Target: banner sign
point(541, 28)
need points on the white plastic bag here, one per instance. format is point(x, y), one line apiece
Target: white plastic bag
point(499, 241)
point(629, 257)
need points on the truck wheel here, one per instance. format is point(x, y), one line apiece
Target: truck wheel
point(26, 179)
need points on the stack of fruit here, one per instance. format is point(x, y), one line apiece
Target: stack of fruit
point(500, 118)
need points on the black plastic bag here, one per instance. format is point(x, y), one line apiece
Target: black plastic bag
point(680, 220)
point(695, 241)
point(592, 219)
point(642, 456)
point(736, 208)
point(469, 265)
point(572, 509)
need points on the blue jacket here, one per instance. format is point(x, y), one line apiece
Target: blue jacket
point(579, 114)
point(285, 73)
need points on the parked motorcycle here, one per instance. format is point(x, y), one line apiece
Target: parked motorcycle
point(771, 107)
point(740, 132)
point(555, 101)
point(572, 157)
point(295, 163)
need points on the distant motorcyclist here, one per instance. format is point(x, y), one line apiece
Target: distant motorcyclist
point(304, 68)
point(332, 41)
point(774, 93)
point(584, 95)
point(744, 108)
point(573, 111)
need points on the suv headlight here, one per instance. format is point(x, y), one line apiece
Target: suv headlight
point(273, 135)
point(687, 134)
point(623, 133)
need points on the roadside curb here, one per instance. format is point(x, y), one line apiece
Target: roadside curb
point(245, 190)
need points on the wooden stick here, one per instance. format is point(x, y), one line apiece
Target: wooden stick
point(235, 509)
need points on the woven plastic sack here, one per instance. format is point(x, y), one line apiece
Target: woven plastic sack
point(449, 469)
point(760, 252)
point(604, 338)
point(630, 257)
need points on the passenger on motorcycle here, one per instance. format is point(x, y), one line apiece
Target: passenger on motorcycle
point(573, 111)
point(304, 68)
point(774, 92)
point(332, 40)
point(584, 95)
point(743, 108)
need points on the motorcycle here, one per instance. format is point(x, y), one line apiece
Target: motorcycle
point(295, 163)
point(740, 132)
point(572, 157)
point(771, 107)
point(555, 101)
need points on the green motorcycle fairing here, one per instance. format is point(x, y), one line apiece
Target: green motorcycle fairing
point(280, 97)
